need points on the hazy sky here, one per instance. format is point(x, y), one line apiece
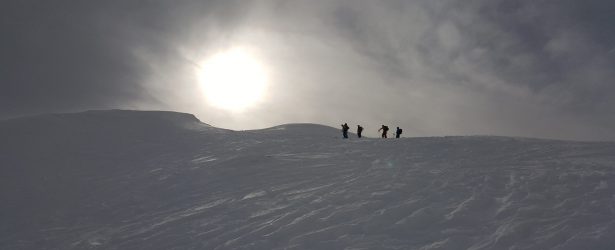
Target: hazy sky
point(536, 68)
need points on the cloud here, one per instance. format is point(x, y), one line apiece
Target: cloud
point(539, 69)
point(67, 56)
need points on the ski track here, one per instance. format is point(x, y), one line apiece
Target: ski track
point(298, 187)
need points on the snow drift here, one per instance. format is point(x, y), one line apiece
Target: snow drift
point(162, 180)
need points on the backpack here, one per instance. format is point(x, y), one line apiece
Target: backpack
point(385, 128)
point(400, 131)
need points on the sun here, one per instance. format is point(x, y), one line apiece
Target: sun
point(233, 80)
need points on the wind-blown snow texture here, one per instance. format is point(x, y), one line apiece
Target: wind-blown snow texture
point(161, 180)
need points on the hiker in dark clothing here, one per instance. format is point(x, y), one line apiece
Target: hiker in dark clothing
point(384, 129)
point(345, 129)
point(398, 132)
point(359, 130)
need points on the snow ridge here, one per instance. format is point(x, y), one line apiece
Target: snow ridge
point(162, 180)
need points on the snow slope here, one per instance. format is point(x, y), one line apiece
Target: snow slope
point(161, 180)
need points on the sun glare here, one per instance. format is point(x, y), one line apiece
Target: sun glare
point(233, 80)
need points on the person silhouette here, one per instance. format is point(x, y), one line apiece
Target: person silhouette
point(359, 130)
point(384, 129)
point(398, 132)
point(345, 129)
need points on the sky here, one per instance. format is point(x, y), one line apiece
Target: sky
point(541, 68)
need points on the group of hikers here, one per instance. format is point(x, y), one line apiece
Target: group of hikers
point(384, 129)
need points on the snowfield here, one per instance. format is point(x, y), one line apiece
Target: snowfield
point(162, 180)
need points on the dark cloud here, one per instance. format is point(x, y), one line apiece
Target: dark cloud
point(73, 55)
point(535, 63)
point(57, 57)
point(528, 68)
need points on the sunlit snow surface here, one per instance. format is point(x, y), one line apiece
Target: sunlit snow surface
point(161, 180)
